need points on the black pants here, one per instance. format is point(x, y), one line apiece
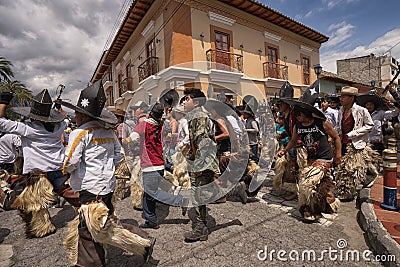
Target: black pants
point(87, 197)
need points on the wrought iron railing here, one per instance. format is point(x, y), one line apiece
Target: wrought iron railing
point(126, 85)
point(219, 59)
point(147, 68)
point(275, 70)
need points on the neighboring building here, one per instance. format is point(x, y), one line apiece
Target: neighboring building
point(241, 46)
point(332, 83)
point(382, 69)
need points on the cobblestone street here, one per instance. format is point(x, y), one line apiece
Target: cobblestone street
point(239, 233)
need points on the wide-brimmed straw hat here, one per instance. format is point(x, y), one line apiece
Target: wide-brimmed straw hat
point(349, 90)
point(91, 102)
point(40, 109)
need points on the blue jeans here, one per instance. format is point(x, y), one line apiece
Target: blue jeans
point(57, 179)
point(151, 195)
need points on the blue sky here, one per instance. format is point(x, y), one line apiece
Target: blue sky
point(354, 27)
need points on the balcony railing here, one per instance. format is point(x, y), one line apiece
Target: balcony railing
point(147, 68)
point(275, 70)
point(224, 60)
point(126, 85)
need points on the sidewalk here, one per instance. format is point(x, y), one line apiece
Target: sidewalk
point(381, 227)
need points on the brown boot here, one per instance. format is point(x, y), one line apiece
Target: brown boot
point(199, 233)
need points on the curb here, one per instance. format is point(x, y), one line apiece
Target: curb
point(376, 235)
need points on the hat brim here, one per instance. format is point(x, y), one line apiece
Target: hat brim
point(55, 115)
point(350, 94)
point(220, 107)
point(105, 116)
point(377, 100)
point(315, 112)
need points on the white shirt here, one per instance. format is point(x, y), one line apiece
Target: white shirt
point(235, 125)
point(379, 117)
point(8, 146)
point(42, 150)
point(183, 132)
point(93, 161)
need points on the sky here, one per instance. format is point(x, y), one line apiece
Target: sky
point(52, 42)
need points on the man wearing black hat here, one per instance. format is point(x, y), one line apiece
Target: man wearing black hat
point(43, 158)
point(92, 155)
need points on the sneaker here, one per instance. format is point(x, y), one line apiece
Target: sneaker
point(149, 250)
point(199, 233)
point(308, 217)
point(149, 225)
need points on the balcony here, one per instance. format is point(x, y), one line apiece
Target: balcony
point(275, 70)
point(223, 60)
point(147, 68)
point(126, 85)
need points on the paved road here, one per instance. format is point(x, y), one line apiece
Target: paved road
point(240, 235)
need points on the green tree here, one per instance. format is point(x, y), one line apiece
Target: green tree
point(6, 72)
point(22, 95)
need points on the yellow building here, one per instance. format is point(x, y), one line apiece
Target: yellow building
point(239, 46)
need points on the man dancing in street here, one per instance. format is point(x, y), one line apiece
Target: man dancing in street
point(92, 155)
point(203, 158)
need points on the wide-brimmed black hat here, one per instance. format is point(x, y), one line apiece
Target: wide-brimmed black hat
point(169, 98)
point(308, 100)
point(40, 109)
point(373, 97)
point(157, 111)
point(249, 100)
point(286, 91)
point(91, 102)
point(249, 110)
point(219, 106)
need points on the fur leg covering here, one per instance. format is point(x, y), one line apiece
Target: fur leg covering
point(122, 171)
point(123, 174)
point(301, 157)
point(280, 165)
point(136, 184)
point(181, 174)
point(33, 203)
point(373, 160)
point(108, 230)
point(309, 179)
point(315, 191)
point(285, 174)
point(71, 241)
point(37, 195)
point(351, 172)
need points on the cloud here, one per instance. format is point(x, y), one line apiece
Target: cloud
point(341, 32)
point(388, 43)
point(55, 42)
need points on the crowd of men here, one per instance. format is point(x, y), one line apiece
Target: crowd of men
point(185, 153)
